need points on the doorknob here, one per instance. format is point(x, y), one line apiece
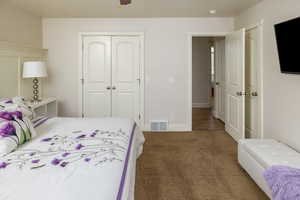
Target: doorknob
point(108, 87)
point(114, 87)
point(217, 83)
point(254, 94)
point(239, 93)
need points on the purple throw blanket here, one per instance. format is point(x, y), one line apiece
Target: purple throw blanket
point(284, 182)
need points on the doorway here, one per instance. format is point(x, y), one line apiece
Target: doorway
point(240, 119)
point(208, 76)
point(112, 76)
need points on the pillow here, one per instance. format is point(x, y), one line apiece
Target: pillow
point(16, 103)
point(3, 103)
point(15, 129)
point(8, 138)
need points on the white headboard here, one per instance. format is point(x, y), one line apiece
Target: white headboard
point(12, 57)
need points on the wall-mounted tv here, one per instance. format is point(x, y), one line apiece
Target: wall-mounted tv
point(288, 44)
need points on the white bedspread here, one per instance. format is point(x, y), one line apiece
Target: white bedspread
point(74, 159)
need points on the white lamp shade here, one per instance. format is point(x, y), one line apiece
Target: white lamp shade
point(36, 69)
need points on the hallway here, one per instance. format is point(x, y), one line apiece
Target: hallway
point(204, 120)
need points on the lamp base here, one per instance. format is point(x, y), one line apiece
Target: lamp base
point(35, 98)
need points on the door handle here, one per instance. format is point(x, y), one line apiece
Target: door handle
point(239, 93)
point(254, 94)
point(111, 88)
point(217, 83)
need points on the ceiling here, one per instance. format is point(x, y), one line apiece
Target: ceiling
point(138, 8)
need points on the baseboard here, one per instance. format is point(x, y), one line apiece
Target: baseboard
point(250, 134)
point(171, 128)
point(201, 105)
point(230, 131)
point(215, 114)
point(222, 119)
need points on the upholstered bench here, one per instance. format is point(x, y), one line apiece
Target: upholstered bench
point(255, 156)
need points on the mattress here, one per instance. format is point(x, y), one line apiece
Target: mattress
point(270, 152)
point(74, 159)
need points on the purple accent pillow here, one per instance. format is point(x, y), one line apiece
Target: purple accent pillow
point(15, 129)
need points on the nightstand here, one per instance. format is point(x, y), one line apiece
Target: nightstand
point(46, 107)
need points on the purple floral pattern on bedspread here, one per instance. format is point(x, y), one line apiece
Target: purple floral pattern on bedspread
point(93, 148)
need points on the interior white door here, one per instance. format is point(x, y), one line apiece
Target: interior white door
point(126, 77)
point(220, 78)
point(97, 76)
point(235, 84)
point(251, 81)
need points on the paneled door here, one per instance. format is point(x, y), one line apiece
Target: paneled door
point(125, 77)
point(252, 88)
point(111, 73)
point(235, 84)
point(97, 76)
point(220, 79)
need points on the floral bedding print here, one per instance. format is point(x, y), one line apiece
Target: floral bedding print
point(93, 147)
point(15, 129)
point(74, 158)
point(16, 103)
point(13, 125)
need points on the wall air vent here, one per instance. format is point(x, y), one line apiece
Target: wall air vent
point(159, 125)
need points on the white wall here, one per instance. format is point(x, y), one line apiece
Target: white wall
point(19, 27)
point(281, 91)
point(201, 71)
point(166, 60)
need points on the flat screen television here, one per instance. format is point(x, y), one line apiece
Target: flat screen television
point(288, 45)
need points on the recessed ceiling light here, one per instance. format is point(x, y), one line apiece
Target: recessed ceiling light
point(212, 12)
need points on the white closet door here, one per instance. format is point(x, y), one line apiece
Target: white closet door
point(97, 76)
point(125, 77)
point(235, 84)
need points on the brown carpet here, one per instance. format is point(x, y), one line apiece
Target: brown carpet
point(192, 166)
point(204, 120)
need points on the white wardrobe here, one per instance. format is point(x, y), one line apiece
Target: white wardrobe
point(111, 76)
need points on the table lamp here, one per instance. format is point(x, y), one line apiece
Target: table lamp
point(35, 70)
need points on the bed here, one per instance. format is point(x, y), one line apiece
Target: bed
point(74, 159)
